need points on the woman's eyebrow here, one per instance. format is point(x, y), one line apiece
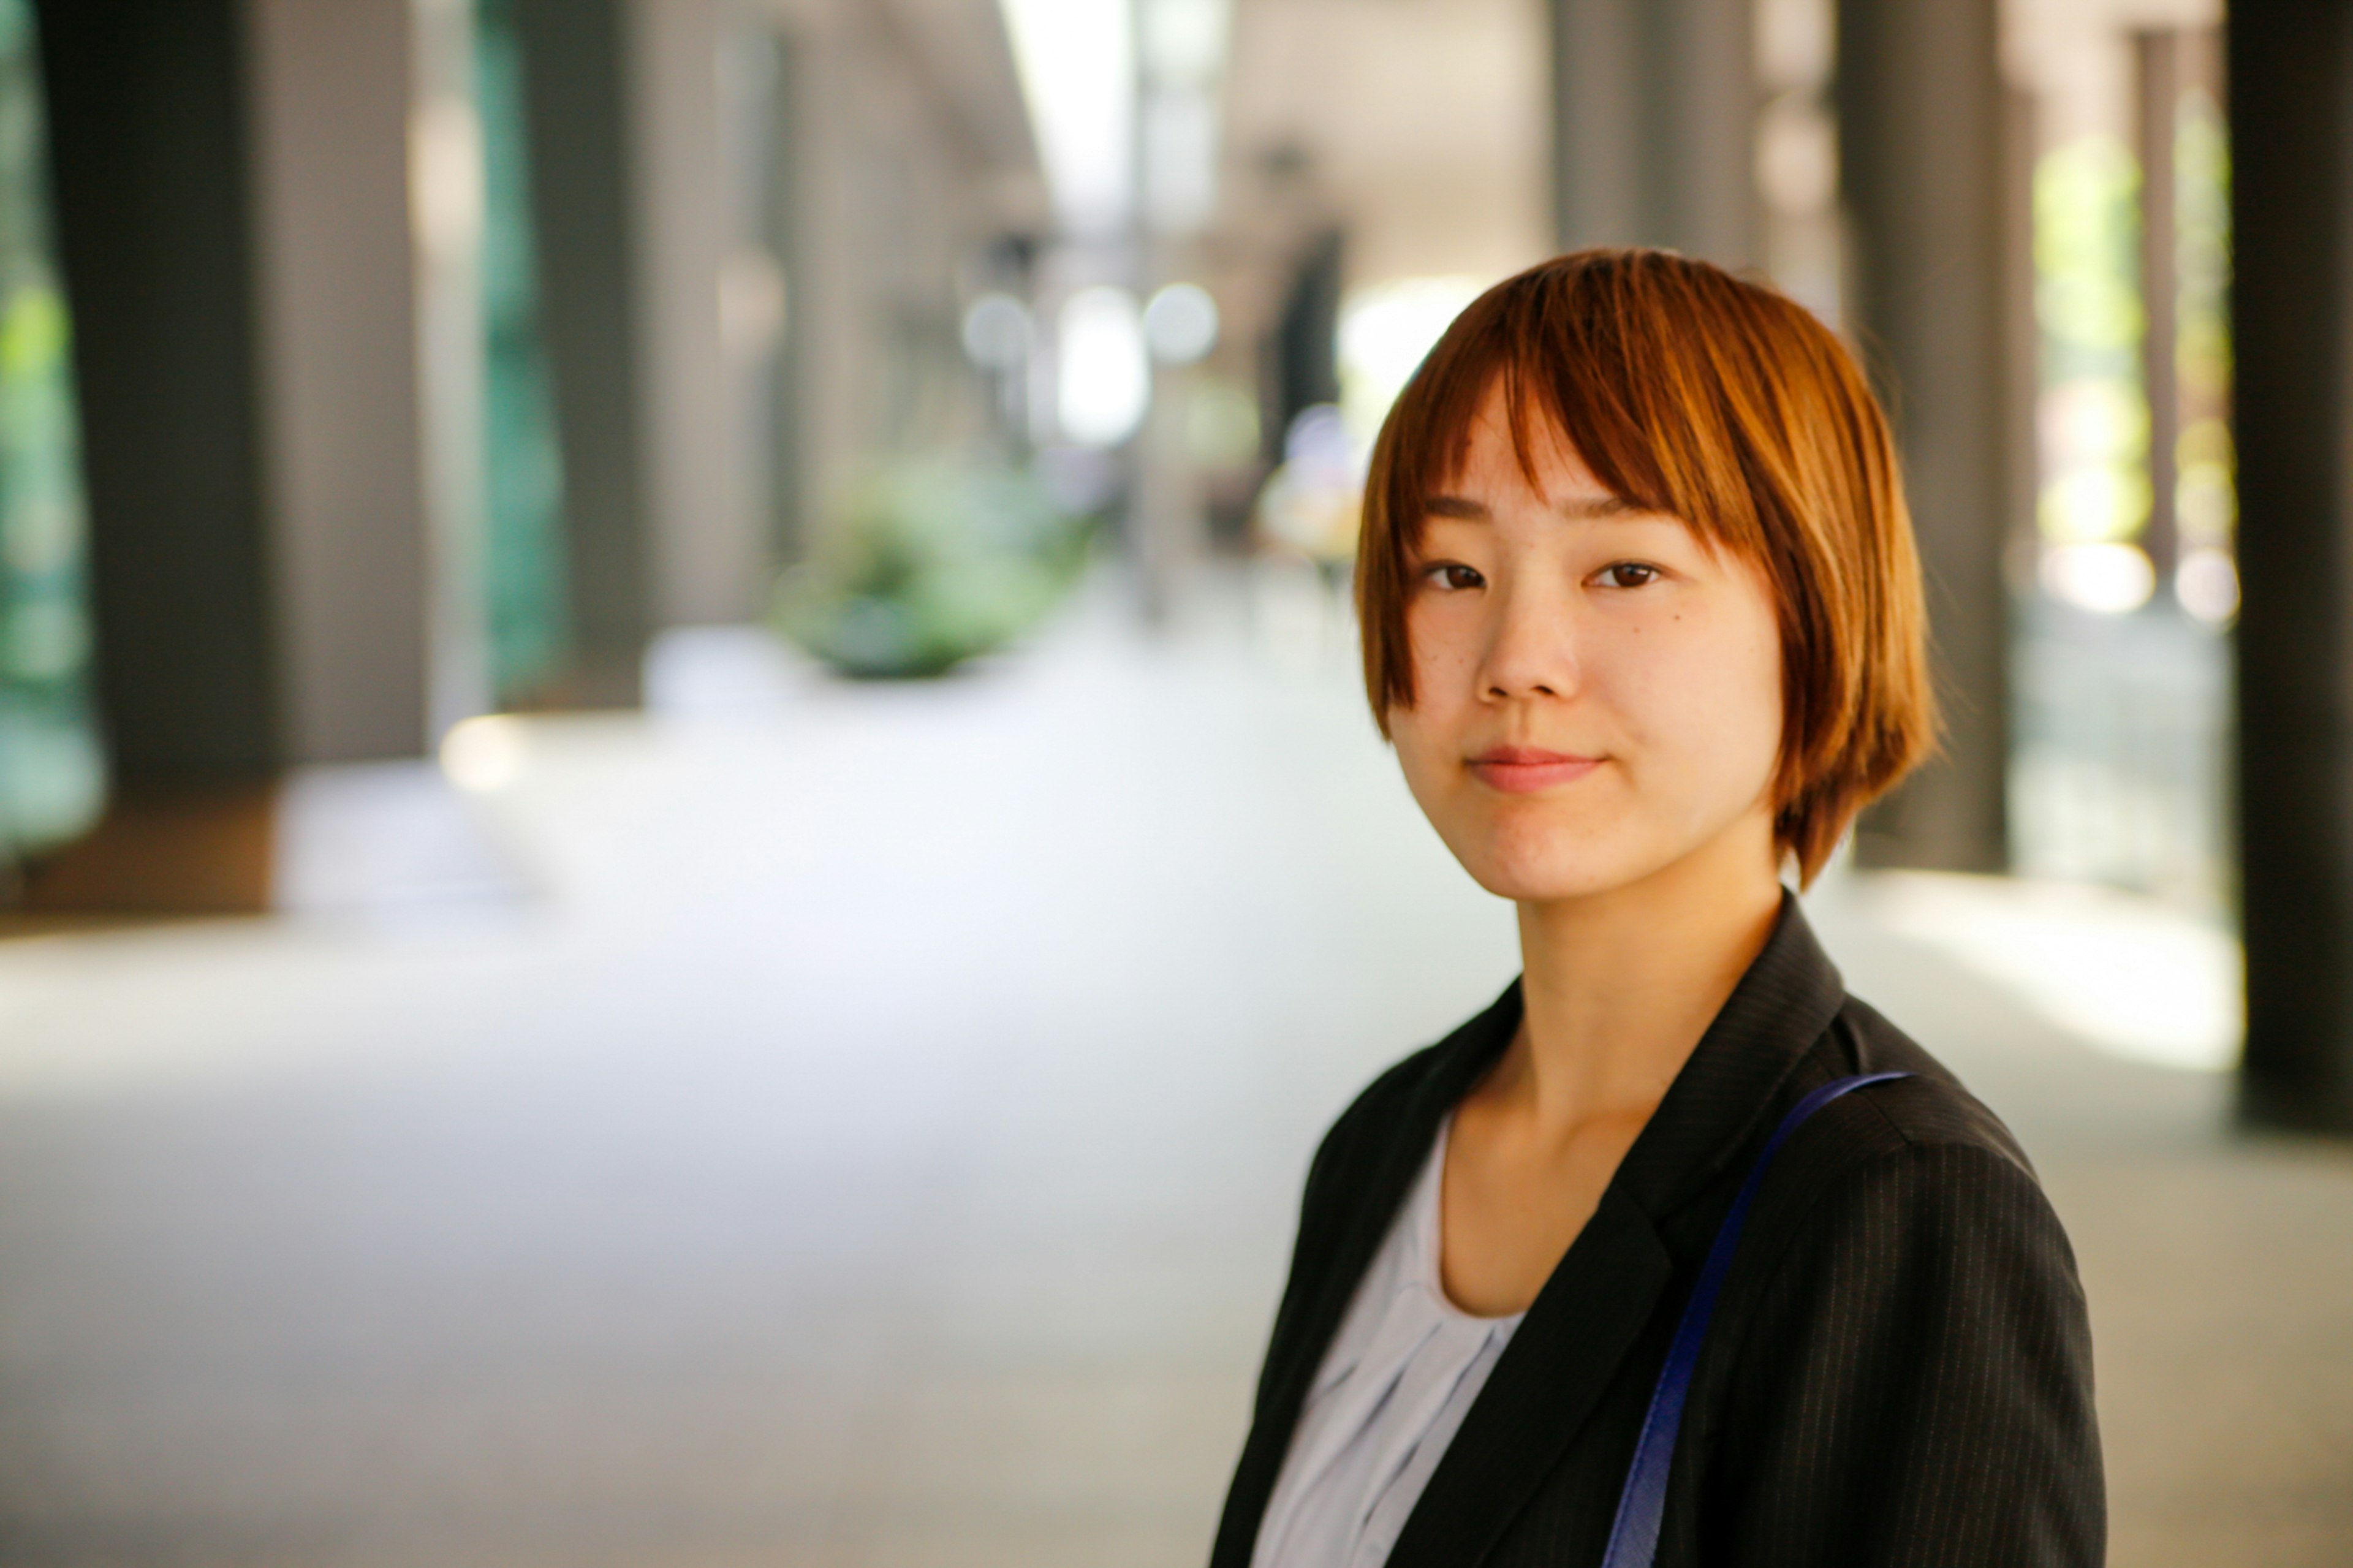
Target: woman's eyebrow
point(1577, 509)
point(1582, 507)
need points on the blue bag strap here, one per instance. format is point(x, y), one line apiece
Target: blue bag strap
point(1634, 1536)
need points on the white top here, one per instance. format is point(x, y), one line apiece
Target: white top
point(1399, 1378)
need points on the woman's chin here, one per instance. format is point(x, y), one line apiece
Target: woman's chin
point(1556, 877)
point(1555, 856)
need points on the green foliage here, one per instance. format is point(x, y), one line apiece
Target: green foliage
point(931, 563)
point(2203, 187)
point(52, 766)
point(2087, 260)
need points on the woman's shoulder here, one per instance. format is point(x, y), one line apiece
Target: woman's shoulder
point(1928, 1108)
point(1903, 1170)
point(1906, 1336)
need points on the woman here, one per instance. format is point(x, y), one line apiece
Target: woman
point(1642, 620)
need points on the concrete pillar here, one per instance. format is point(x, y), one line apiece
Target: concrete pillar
point(705, 548)
point(2291, 106)
point(1921, 111)
point(577, 88)
point(1655, 115)
point(784, 232)
point(759, 234)
point(2159, 79)
point(278, 558)
point(712, 119)
point(347, 129)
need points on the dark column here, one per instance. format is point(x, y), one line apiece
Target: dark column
point(1654, 125)
point(234, 220)
point(1920, 107)
point(576, 88)
point(2291, 97)
point(146, 110)
point(148, 141)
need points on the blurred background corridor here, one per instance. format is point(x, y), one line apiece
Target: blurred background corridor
point(688, 848)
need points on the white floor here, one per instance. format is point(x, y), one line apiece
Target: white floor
point(860, 1125)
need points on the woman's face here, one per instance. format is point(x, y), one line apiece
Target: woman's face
point(1598, 693)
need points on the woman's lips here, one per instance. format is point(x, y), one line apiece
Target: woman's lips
point(1523, 770)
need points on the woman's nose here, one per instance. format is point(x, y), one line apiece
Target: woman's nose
point(1532, 650)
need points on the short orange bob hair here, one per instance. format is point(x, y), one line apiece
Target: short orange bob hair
point(1698, 395)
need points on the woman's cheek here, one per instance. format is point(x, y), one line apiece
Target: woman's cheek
point(1732, 708)
point(1435, 634)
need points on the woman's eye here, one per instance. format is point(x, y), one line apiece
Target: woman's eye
point(1452, 575)
point(1627, 574)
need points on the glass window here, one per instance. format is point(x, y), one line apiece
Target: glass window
point(525, 563)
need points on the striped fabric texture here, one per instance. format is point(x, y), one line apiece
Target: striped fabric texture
point(1899, 1372)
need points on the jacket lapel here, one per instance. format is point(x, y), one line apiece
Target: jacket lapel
point(1612, 1280)
point(1298, 1351)
point(1560, 1360)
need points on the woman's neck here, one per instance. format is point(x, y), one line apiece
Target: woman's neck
point(1619, 987)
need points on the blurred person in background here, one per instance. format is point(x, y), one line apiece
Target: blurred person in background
point(1311, 502)
point(1644, 620)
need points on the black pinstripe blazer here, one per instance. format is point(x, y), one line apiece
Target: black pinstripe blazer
point(1899, 1369)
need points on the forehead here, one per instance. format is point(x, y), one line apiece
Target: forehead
point(1499, 468)
point(1509, 444)
point(1534, 476)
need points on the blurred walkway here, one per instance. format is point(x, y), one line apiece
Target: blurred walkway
point(872, 1140)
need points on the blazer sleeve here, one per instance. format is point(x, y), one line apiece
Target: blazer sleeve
point(1914, 1390)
